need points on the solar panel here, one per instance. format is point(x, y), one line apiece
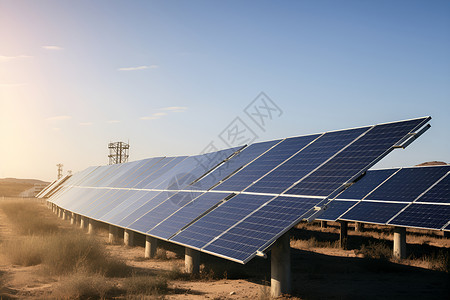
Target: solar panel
point(218, 220)
point(305, 161)
point(428, 216)
point(244, 212)
point(154, 216)
point(439, 193)
point(230, 166)
point(407, 184)
point(187, 214)
point(265, 163)
point(373, 212)
point(366, 184)
point(335, 209)
point(241, 242)
point(358, 156)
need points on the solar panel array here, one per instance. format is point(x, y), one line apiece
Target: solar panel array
point(235, 202)
point(410, 197)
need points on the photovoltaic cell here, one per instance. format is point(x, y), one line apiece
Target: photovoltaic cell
point(187, 214)
point(265, 163)
point(220, 219)
point(440, 193)
point(373, 212)
point(430, 216)
point(260, 228)
point(353, 159)
point(239, 160)
point(148, 181)
point(154, 216)
point(366, 184)
point(335, 209)
point(305, 161)
point(407, 184)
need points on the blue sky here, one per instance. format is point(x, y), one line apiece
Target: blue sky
point(170, 76)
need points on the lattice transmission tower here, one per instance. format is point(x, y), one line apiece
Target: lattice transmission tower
point(60, 170)
point(118, 152)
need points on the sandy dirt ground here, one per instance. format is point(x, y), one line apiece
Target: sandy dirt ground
point(317, 272)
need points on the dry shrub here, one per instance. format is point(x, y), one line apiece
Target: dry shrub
point(28, 218)
point(376, 251)
point(24, 252)
point(313, 243)
point(145, 285)
point(176, 273)
point(65, 253)
point(439, 261)
point(83, 286)
point(161, 254)
point(68, 253)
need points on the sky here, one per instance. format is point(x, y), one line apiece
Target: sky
point(175, 77)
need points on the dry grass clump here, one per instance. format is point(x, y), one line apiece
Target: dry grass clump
point(28, 218)
point(24, 252)
point(313, 243)
point(376, 250)
point(145, 285)
point(439, 261)
point(84, 286)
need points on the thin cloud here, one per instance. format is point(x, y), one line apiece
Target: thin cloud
point(138, 68)
point(86, 124)
point(4, 58)
point(175, 108)
point(53, 48)
point(154, 116)
point(59, 118)
point(113, 121)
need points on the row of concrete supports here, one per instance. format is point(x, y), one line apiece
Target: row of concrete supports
point(280, 257)
point(280, 251)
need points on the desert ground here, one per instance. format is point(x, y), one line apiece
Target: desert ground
point(62, 268)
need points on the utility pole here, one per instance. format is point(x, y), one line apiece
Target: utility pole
point(118, 152)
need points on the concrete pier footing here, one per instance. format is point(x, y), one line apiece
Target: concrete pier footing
point(73, 219)
point(151, 245)
point(359, 227)
point(83, 222)
point(128, 238)
point(113, 236)
point(191, 261)
point(323, 224)
point(280, 266)
point(343, 234)
point(399, 242)
point(91, 226)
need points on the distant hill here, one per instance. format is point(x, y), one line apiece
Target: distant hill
point(13, 187)
point(432, 163)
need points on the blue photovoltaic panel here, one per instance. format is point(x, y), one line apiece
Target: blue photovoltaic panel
point(373, 212)
point(187, 214)
point(145, 172)
point(146, 183)
point(335, 209)
point(109, 203)
point(205, 163)
point(305, 161)
point(146, 207)
point(407, 184)
point(260, 228)
point(430, 216)
point(265, 163)
point(154, 216)
point(119, 181)
point(145, 169)
point(220, 219)
point(366, 184)
point(127, 207)
point(440, 193)
point(235, 163)
point(354, 159)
